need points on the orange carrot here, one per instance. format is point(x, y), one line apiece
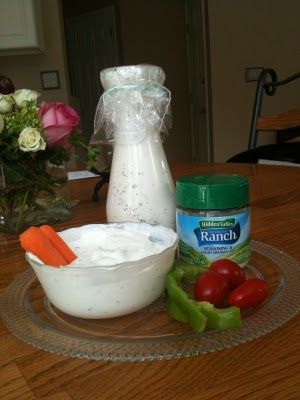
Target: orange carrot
point(59, 244)
point(34, 241)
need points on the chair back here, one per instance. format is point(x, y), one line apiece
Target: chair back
point(285, 124)
point(268, 84)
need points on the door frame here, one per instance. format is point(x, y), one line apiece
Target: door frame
point(77, 87)
point(197, 28)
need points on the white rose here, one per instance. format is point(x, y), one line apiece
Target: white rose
point(30, 139)
point(21, 96)
point(6, 103)
point(1, 123)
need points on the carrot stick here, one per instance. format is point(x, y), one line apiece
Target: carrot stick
point(34, 241)
point(59, 244)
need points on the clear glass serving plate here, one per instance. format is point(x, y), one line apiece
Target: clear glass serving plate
point(149, 334)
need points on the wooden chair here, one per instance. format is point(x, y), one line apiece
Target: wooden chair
point(285, 124)
point(280, 122)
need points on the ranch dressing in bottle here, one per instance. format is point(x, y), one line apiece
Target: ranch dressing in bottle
point(134, 109)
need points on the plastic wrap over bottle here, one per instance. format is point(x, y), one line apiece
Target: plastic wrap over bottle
point(133, 111)
point(134, 103)
point(131, 74)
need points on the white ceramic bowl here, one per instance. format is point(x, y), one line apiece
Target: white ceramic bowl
point(108, 291)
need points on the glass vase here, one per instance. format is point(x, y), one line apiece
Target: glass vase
point(33, 205)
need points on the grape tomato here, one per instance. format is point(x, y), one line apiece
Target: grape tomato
point(231, 270)
point(211, 287)
point(250, 293)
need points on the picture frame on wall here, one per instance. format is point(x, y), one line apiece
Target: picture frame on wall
point(50, 80)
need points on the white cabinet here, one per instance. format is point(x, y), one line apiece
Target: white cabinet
point(20, 27)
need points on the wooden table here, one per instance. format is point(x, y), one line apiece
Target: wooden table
point(266, 368)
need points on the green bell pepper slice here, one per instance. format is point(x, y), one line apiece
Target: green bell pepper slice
point(177, 295)
point(198, 315)
point(174, 311)
point(220, 318)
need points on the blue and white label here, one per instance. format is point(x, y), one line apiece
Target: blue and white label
point(203, 239)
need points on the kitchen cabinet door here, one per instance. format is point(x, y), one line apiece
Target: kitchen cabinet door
point(20, 27)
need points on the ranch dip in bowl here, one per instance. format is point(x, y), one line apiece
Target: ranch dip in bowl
point(120, 268)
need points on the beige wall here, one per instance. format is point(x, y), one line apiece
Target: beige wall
point(242, 34)
point(25, 70)
point(248, 34)
point(153, 31)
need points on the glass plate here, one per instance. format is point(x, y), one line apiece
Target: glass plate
point(149, 334)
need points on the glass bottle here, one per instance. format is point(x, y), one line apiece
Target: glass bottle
point(134, 109)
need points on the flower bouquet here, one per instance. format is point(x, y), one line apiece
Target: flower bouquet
point(35, 143)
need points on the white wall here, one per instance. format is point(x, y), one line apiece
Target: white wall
point(262, 33)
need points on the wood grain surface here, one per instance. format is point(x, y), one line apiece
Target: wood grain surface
point(264, 369)
point(286, 120)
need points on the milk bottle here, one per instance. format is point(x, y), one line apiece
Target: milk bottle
point(134, 109)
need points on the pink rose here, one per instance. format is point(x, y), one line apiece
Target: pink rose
point(59, 120)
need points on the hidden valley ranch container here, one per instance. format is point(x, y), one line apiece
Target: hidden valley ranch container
point(213, 218)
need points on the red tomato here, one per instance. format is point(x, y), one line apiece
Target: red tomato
point(250, 293)
point(231, 270)
point(211, 287)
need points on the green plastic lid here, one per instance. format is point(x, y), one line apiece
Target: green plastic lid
point(212, 192)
